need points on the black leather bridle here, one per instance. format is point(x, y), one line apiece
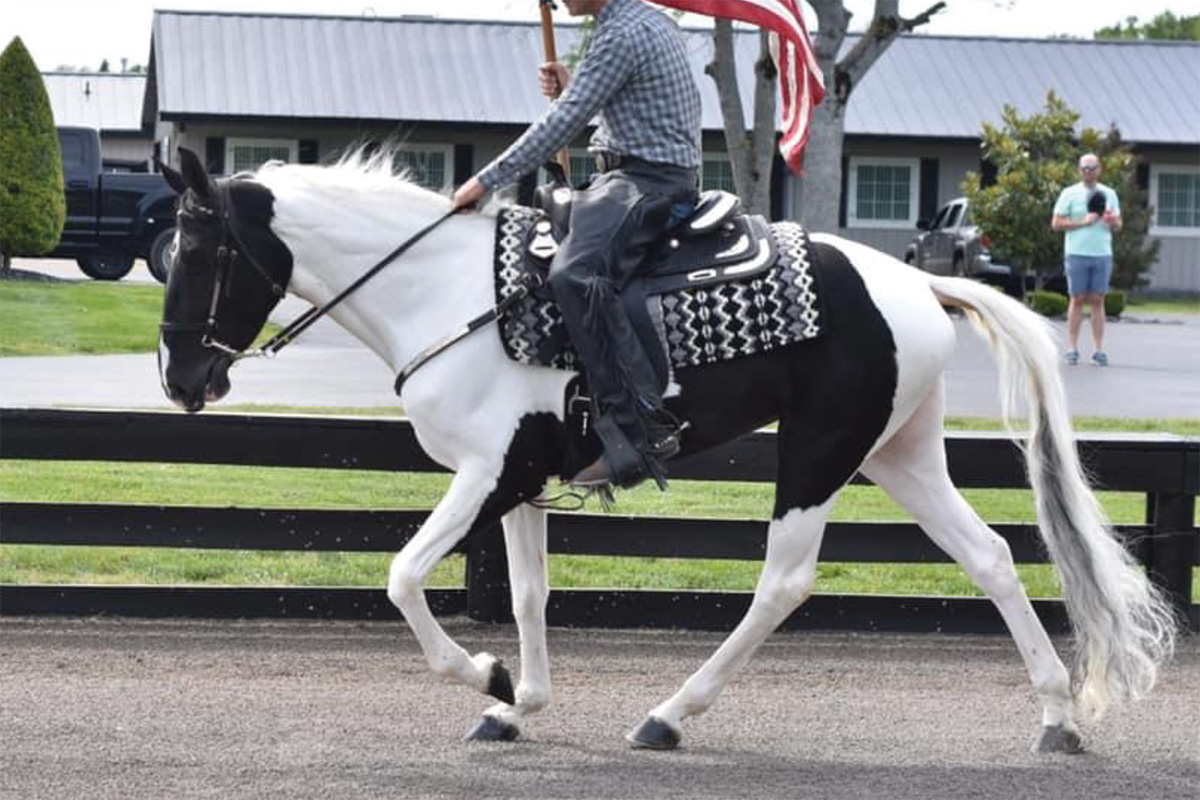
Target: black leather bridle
point(231, 247)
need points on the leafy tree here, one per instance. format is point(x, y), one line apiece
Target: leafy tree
point(103, 66)
point(1164, 26)
point(32, 205)
point(1035, 158)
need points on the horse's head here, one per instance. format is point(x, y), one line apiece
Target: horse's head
point(227, 271)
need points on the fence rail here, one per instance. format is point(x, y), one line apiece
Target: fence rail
point(1164, 468)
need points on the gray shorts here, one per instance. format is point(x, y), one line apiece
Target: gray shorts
point(1088, 274)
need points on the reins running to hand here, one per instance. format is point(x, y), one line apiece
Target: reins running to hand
point(305, 320)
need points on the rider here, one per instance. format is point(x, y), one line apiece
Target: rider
point(636, 76)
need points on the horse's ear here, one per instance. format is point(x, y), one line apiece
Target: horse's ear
point(194, 175)
point(174, 179)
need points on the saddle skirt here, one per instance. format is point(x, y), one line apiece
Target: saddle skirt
point(743, 289)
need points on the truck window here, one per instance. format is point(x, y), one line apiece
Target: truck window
point(940, 219)
point(74, 152)
point(952, 217)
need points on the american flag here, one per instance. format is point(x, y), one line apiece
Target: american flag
point(801, 83)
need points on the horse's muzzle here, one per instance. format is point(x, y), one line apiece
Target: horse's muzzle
point(192, 387)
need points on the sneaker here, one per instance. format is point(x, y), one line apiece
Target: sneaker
point(1100, 358)
point(1073, 358)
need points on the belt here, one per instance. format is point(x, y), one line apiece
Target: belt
point(607, 161)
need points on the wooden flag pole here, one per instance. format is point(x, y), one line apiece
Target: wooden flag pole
point(551, 52)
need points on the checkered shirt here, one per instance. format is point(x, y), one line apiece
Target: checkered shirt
point(637, 77)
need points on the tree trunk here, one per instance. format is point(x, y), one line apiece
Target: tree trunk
point(819, 194)
point(751, 152)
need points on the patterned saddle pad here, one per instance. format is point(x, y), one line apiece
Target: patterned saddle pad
point(695, 325)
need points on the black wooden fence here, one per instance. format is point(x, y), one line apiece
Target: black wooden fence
point(1165, 468)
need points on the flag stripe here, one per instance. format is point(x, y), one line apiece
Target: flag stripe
point(801, 82)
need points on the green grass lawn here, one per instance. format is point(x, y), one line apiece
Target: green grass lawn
point(71, 318)
point(78, 318)
point(1140, 306)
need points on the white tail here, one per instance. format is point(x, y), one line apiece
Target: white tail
point(1123, 627)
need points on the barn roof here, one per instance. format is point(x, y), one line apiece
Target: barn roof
point(108, 101)
point(427, 69)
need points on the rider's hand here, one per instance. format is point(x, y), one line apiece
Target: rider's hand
point(469, 193)
point(1090, 219)
point(553, 79)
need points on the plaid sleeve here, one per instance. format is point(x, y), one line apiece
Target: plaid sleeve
point(608, 64)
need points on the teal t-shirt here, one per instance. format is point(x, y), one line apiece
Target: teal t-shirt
point(1090, 240)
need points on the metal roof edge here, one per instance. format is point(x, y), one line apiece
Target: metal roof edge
point(531, 23)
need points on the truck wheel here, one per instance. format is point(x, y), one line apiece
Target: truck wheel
point(159, 257)
point(105, 267)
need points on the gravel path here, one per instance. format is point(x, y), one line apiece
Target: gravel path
point(110, 708)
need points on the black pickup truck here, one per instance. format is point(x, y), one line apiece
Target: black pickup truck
point(112, 217)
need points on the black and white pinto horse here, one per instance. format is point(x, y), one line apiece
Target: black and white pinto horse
point(867, 395)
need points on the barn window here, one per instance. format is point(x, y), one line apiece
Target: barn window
point(247, 155)
point(1175, 195)
point(429, 165)
point(883, 192)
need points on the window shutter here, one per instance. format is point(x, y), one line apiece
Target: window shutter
point(464, 163)
point(214, 155)
point(1143, 176)
point(308, 151)
point(929, 188)
point(845, 195)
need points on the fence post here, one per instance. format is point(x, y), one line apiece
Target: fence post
point(487, 577)
point(1173, 548)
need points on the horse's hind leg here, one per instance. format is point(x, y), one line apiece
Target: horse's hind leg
point(525, 542)
point(788, 576)
point(911, 467)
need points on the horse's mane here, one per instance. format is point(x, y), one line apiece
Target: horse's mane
point(364, 168)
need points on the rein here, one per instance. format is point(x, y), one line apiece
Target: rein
point(302, 323)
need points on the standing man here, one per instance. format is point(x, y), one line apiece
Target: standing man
point(1089, 212)
point(637, 78)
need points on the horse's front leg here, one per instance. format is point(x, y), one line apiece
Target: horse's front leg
point(450, 521)
point(525, 542)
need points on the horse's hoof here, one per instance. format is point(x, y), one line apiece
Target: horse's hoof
point(1057, 739)
point(491, 729)
point(500, 685)
point(654, 734)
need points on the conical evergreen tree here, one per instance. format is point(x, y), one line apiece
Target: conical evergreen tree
point(32, 205)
